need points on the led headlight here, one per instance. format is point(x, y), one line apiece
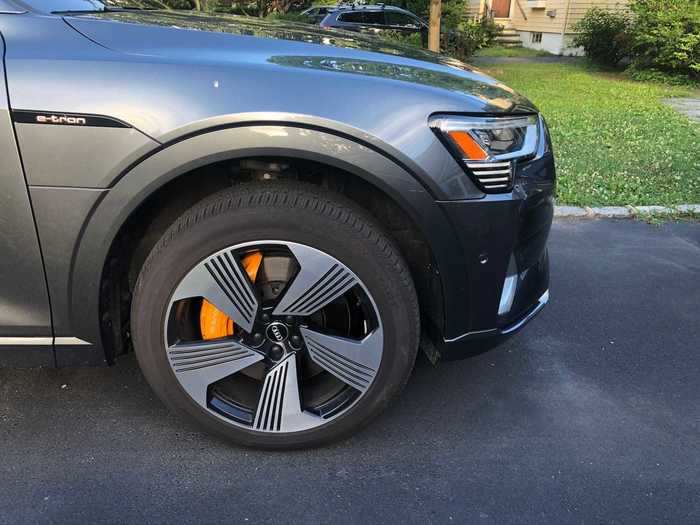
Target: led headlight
point(489, 146)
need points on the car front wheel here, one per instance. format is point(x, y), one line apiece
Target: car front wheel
point(278, 315)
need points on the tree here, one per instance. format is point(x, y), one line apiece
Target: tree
point(434, 28)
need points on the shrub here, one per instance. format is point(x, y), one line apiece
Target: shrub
point(490, 30)
point(604, 35)
point(469, 36)
point(399, 37)
point(661, 77)
point(666, 36)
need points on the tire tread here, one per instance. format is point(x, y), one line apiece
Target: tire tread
point(325, 204)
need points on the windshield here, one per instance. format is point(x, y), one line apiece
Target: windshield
point(57, 6)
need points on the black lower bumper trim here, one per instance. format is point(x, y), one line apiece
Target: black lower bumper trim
point(475, 343)
point(541, 303)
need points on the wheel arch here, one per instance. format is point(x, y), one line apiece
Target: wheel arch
point(161, 173)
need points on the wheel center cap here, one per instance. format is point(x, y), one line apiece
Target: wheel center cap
point(277, 332)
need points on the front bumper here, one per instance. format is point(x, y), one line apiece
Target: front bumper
point(502, 248)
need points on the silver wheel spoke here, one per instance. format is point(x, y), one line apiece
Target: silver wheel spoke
point(320, 280)
point(221, 281)
point(353, 362)
point(279, 407)
point(283, 406)
point(198, 365)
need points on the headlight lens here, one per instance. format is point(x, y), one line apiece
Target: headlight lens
point(489, 146)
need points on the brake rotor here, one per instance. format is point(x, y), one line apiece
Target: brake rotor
point(213, 323)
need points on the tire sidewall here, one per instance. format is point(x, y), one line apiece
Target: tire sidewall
point(197, 236)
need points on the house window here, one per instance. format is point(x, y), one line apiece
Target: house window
point(536, 38)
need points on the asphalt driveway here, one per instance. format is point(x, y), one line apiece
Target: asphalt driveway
point(591, 415)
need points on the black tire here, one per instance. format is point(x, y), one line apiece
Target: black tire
point(301, 213)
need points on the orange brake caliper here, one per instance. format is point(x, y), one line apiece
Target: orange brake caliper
point(213, 322)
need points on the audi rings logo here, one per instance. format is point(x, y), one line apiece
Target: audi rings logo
point(277, 333)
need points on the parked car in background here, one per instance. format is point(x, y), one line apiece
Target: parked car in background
point(319, 12)
point(375, 19)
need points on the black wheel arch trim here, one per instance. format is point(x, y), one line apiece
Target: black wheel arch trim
point(365, 141)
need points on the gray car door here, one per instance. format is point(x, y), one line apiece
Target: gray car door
point(25, 320)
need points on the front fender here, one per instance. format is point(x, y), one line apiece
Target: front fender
point(142, 180)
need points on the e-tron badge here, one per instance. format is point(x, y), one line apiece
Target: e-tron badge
point(61, 119)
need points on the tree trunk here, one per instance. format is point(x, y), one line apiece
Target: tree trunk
point(198, 5)
point(434, 28)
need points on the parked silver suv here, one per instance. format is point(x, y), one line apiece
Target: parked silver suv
point(375, 19)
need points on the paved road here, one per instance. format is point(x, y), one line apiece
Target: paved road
point(591, 415)
point(688, 106)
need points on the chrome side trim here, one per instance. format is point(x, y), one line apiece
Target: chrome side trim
point(28, 341)
point(41, 341)
point(475, 333)
point(69, 341)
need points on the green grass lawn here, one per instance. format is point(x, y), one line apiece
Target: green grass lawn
point(615, 142)
point(499, 51)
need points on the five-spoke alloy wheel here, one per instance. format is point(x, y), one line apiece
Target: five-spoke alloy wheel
point(278, 315)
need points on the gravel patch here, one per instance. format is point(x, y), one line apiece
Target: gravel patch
point(688, 106)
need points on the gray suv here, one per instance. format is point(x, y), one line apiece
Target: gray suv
point(273, 217)
point(376, 19)
point(318, 12)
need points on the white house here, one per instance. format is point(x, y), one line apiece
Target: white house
point(540, 24)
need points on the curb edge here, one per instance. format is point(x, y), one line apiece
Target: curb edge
point(622, 212)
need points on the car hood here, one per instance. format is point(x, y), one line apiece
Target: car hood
point(198, 37)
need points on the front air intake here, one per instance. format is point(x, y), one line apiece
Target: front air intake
point(493, 176)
